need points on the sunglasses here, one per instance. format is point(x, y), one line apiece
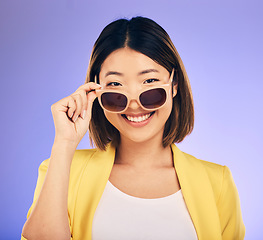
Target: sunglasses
point(118, 101)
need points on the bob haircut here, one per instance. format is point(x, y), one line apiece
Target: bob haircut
point(147, 37)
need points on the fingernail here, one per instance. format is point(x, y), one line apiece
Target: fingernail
point(75, 118)
point(83, 114)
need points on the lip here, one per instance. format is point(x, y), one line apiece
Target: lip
point(138, 124)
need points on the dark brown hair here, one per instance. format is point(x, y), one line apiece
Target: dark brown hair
point(147, 37)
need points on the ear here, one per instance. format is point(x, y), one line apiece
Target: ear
point(174, 86)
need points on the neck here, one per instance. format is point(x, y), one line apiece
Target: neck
point(142, 156)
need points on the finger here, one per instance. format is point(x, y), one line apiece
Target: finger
point(78, 102)
point(71, 107)
point(84, 98)
point(87, 87)
point(91, 96)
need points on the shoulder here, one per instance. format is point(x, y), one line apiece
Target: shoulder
point(219, 175)
point(82, 156)
point(213, 170)
point(221, 182)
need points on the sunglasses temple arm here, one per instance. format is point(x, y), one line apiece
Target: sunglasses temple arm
point(172, 76)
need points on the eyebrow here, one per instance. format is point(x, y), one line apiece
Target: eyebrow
point(113, 73)
point(148, 71)
point(140, 73)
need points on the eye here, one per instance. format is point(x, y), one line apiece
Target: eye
point(113, 84)
point(151, 80)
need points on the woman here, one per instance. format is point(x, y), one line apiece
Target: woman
point(137, 184)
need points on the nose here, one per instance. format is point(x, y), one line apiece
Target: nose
point(133, 91)
point(133, 104)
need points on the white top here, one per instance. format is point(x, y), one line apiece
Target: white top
point(120, 216)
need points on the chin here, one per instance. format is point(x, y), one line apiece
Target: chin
point(141, 137)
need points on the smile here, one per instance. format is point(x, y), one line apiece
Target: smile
point(138, 119)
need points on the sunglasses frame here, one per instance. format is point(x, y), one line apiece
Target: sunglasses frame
point(164, 86)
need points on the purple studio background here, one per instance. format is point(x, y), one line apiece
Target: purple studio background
point(44, 54)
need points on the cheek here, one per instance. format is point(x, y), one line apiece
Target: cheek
point(108, 116)
point(113, 118)
point(168, 107)
point(166, 111)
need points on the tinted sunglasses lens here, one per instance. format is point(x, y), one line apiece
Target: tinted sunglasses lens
point(153, 98)
point(115, 102)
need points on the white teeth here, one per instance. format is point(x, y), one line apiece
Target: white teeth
point(138, 119)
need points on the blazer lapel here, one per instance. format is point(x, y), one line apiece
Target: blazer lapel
point(92, 184)
point(198, 195)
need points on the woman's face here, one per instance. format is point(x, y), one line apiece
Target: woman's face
point(131, 71)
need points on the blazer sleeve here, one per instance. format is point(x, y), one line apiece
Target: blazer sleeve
point(42, 170)
point(232, 225)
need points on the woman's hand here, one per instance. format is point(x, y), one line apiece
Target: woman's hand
point(71, 118)
point(72, 114)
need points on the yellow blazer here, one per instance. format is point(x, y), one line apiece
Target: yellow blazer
point(208, 189)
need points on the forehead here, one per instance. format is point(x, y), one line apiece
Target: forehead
point(129, 62)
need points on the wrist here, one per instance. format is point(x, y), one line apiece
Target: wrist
point(65, 144)
point(62, 153)
point(63, 149)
